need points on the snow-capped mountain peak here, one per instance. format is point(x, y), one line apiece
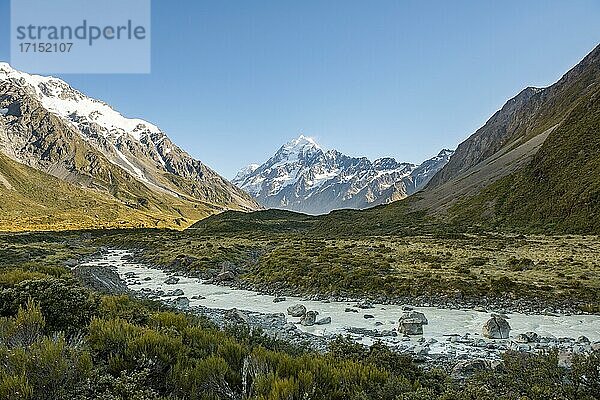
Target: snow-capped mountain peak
point(300, 143)
point(296, 149)
point(60, 98)
point(134, 145)
point(98, 122)
point(301, 176)
point(244, 172)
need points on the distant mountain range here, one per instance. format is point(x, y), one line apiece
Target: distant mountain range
point(68, 161)
point(303, 177)
point(51, 127)
point(534, 166)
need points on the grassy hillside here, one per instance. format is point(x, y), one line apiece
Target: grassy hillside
point(558, 191)
point(33, 200)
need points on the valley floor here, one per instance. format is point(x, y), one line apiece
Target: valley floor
point(502, 272)
point(98, 344)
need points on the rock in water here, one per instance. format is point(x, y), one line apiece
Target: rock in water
point(172, 280)
point(323, 321)
point(176, 292)
point(496, 328)
point(583, 339)
point(364, 305)
point(182, 303)
point(415, 315)
point(411, 323)
point(297, 310)
point(410, 326)
point(309, 318)
point(527, 337)
point(278, 299)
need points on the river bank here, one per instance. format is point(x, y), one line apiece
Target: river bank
point(451, 335)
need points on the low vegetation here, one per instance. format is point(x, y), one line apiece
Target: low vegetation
point(60, 341)
point(543, 269)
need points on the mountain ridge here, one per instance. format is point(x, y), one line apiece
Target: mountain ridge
point(301, 176)
point(48, 125)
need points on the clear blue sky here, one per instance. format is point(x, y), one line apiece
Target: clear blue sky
point(232, 80)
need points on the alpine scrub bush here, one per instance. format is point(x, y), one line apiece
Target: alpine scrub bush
point(66, 306)
point(35, 366)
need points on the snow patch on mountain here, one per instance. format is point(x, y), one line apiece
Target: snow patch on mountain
point(95, 120)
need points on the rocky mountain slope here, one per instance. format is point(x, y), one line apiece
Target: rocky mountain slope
point(49, 126)
point(303, 177)
point(534, 163)
point(532, 112)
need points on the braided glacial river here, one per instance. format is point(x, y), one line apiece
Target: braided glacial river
point(449, 331)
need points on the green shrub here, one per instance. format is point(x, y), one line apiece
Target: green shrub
point(15, 387)
point(66, 306)
point(123, 307)
point(12, 277)
point(36, 366)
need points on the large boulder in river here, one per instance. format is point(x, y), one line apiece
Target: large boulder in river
point(496, 328)
point(172, 280)
point(323, 321)
point(411, 323)
point(410, 326)
point(297, 310)
point(415, 315)
point(309, 318)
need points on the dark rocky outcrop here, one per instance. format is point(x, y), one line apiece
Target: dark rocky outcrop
point(309, 318)
point(297, 310)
